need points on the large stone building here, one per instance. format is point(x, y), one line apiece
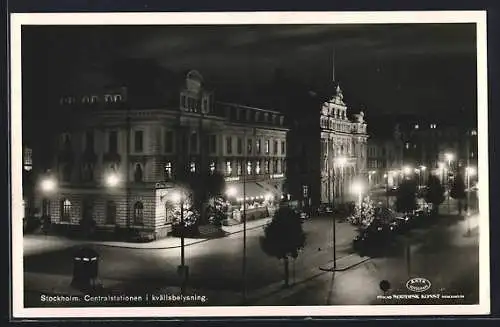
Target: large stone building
point(328, 149)
point(118, 163)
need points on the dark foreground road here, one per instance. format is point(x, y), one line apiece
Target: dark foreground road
point(439, 253)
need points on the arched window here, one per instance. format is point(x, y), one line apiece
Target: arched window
point(65, 210)
point(138, 213)
point(110, 213)
point(138, 175)
point(118, 98)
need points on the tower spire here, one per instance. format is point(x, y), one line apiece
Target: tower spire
point(333, 65)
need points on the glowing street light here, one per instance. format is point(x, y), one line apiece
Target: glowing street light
point(48, 185)
point(449, 157)
point(357, 188)
point(112, 180)
point(231, 191)
point(471, 171)
point(423, 168)
point(407, 170)
point(268, 196)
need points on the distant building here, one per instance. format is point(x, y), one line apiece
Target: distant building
point(28, 182)
point(385, 160)
point(119, 158)
point(440, 147)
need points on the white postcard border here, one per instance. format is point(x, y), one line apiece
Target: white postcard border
point(225, 18)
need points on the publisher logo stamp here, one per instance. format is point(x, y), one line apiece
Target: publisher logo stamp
point(418, 284)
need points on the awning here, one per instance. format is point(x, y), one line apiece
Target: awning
point(274, 189)
point(251, 191)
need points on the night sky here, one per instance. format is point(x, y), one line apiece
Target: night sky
point(383, 69)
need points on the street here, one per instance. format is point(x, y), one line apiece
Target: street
point(438, 253)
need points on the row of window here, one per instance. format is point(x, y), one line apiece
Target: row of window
point(138, 143)
point(254, 116)
point(330, 124)
point(65, 211)
point(230, 168)
point(250, 144)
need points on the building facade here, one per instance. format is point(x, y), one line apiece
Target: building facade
point(443, 149)
point(385, 161)
point(328, 152)
point(119, 165)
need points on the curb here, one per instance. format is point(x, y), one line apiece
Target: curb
point(173, 246)
point(276, 288)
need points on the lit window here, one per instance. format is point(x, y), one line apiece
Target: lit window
point(168, 170)
point(138, 213)
point(407, 145)
point(192, 167)
point(257, 167)
point(416, 126)
point(268, 145)
point(212, 167)
point(249, 168)
point(65, 210)
point(473, 132)
point(238, 168)
point(229, 169)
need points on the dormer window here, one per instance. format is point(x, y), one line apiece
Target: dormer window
point(85, 99)
point(108, 98)
point(118, 98)
point(94, 99)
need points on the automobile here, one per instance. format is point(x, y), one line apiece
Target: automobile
point(374, 237)
point(325, 209)
point(392, 190)
point(303, 215)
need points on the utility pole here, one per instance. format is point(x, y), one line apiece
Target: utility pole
point(243, 171)
point(183, 267)
point(127, 168)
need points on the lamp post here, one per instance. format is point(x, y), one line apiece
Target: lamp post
point(470, 171)
point(386, 179)
point(178, 198)
point(47, 185)
point(422, 174)
point(449, 157)
point(357, 188)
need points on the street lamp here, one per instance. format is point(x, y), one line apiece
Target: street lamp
point(231, 191)
point(178, 198)
point(469, 171)
point(48, 185)
point(112, 180)
point(449, 157)
point(357, 188)
point(407, 170)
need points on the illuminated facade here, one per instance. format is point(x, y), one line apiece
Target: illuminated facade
point(117, 164)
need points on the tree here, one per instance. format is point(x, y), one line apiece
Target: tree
point(284, 237)
point(458, 190)
point(204, 186)
point(364, 213)
point(406, 196)
point(435, 193)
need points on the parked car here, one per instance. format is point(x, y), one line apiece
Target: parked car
point(392, 190)
point(374, 237)
point(325, 209)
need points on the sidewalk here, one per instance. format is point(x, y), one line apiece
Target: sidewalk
point(277, 289)
point(38, 243)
